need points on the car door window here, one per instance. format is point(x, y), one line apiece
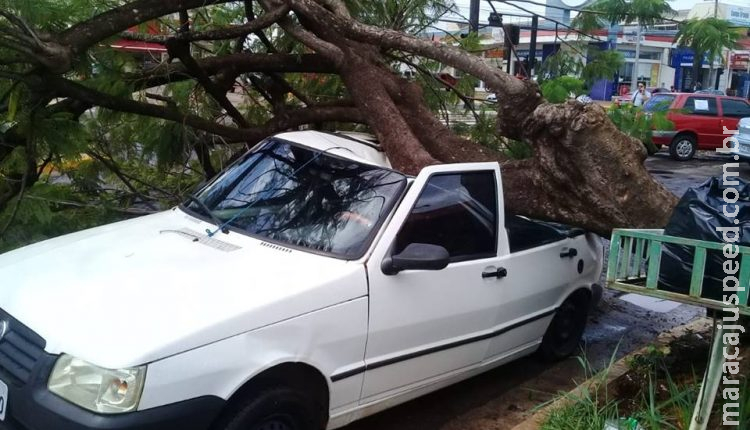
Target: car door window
point(457, 211)
point(735, 108)
point(659, 102)
point(701, 106)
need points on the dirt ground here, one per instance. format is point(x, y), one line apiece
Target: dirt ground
point(501, 398)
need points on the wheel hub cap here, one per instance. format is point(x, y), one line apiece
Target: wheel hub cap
point(684, 148)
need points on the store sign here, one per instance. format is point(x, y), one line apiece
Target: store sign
point(739, 61)
point(643, 55)
point(739, 15)
point(632, 38)
point(684, 58)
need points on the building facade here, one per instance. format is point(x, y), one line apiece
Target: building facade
point(660, 64)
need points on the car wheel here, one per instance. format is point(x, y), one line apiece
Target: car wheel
point(566, 329)
point(273, 409)
point(683, 147)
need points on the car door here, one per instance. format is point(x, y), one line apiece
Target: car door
point(702, 114)
point(427, 325)
point(732, 111)
point(546, 263)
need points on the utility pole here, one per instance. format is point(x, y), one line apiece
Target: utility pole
point(474, 16)
point(729, 71)
point(532, 45)
point(634, 77)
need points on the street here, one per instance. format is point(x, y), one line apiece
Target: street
point(503, 397)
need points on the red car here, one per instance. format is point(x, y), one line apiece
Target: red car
point(699, 120)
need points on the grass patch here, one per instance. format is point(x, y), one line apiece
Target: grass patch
point(659, 392)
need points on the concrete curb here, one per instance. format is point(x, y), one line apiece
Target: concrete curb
point(619, 368)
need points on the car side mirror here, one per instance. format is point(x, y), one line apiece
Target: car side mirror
point(417, 256)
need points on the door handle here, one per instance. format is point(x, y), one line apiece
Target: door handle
point(499, 273)
point(568, 253)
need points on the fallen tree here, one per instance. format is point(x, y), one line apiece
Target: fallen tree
point(583, 170)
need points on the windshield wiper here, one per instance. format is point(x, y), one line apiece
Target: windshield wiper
point(218, 221)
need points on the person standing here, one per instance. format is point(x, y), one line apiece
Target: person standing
point(641, 96)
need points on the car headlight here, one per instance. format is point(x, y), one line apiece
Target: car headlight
point(99, 390)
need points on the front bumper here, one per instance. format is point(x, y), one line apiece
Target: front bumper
point(25, 368)
point(42, 410)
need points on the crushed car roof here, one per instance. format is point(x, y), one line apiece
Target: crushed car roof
point(356, 146)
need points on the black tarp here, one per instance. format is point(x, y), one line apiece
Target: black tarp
point(699, 215)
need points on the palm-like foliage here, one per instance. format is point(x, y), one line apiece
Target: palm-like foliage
point(602, 64)
point(602, 12)
point(706, 36)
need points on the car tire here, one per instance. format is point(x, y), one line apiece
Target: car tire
point(683, 147)
point(564, 333)
point(278, 408)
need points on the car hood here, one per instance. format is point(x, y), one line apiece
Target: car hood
point(133, 292)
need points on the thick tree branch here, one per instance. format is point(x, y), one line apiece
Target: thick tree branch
point(511, 114)
point(83, 35)
point(256, 25)
point(369, 89)
point(181, 50)
point(327, 49)
point(14, 45)
point(66, 88)
point(230, 32)
point(236, 64)
point(290, 119)
point(22, 25)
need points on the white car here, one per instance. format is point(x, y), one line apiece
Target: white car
point(307, 286)
point(742, 149)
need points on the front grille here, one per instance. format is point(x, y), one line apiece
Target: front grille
point(20, 350)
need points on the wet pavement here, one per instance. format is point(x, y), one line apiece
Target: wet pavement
point(503, 397)
point(678, 176)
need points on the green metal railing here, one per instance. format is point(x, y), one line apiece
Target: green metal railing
point(634, 267)
point(635, 264)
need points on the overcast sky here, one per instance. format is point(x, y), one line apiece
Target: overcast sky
point(485, 7)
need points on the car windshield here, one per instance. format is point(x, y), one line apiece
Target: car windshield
point(302, 197)
point(659, 103)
